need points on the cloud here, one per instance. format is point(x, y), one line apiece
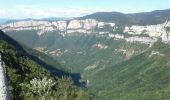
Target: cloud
point(2, 13)
point(31, 11)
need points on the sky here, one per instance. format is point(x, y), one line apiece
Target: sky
point(21, 9)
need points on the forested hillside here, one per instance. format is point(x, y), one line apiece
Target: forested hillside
point(29, 80)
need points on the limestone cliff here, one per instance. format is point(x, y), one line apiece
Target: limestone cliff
point(144, 34)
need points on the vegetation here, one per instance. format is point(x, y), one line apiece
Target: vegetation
point(145, 18)
point(123, 71)
point(79, 49)
point(30, 81)
point(143, 77)
point(118, 75)
point(78, 62)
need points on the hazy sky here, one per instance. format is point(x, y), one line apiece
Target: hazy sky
point(74, 8)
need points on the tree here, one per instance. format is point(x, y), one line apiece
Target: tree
point(65, 89)
point(41, 88)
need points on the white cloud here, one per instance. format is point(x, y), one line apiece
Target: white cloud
point(31, 11)
point(2, 13)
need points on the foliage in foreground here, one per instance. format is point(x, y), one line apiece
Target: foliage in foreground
point(29, 81)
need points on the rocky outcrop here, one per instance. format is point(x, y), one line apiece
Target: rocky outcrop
point(3, 82)
point(145, 40)
point(64, 27)
point(156, 53)
point(116, 36)
point(40, 26)
point(100, 46)
point(82, 24)
point(143, 34)
point(154, 31)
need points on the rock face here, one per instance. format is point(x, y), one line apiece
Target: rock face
point(82, 24)
point(143, 34)
point(155, 31)
point(145, 40)
point(41, 26)
point(101, 46)
point(64, 27)
point(3, 82)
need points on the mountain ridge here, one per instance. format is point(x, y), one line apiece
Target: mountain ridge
point(142, 18)
point(158, 27)
point(125, 59)
point(113, 16)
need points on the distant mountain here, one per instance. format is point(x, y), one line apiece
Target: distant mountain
point(54, 18)
point(115, 17)
point(154, 17)
point(3, 21)
point(18, 20)
point(117, 56)
point(145, 18)
point(33, 19)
